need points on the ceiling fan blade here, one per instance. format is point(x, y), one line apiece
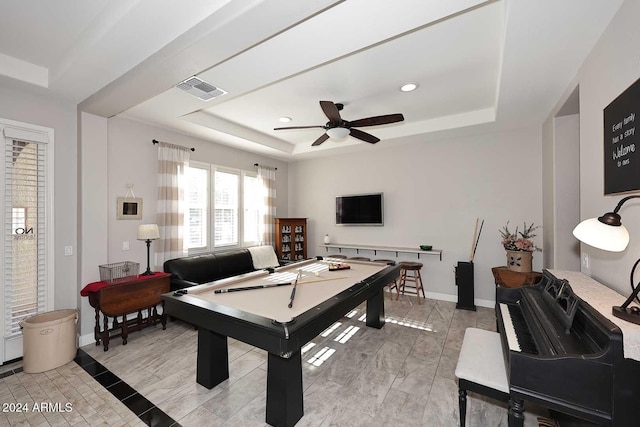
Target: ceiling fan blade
point(331, 111)
point(320, 140)
point(364, 136)
point(299, 127)
point(377, 120)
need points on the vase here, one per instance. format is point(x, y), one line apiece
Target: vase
point(327, 240)
point(519, 261)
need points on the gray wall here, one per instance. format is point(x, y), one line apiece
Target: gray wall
point(433, 191)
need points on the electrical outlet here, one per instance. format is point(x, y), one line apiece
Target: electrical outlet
point(68, 250)
point(585, 261)
point(125, 245)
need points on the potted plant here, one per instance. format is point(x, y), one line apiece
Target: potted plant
point(519, 246)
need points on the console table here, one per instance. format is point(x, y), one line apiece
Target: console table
point(375, 249)
point(124, 298)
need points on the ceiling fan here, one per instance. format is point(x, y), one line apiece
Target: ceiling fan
point(336, 127)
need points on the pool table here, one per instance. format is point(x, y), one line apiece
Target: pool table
point(261, 317)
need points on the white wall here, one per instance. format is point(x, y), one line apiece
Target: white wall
point(611, 67)
point(40, 110)
point(433, 194)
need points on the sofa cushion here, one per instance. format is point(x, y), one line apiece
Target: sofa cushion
point(198, 269)
point(233, 262)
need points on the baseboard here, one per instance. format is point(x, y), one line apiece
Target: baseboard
point(454, 298)
point(86, 339)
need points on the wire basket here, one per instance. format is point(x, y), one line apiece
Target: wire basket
point(119, 271)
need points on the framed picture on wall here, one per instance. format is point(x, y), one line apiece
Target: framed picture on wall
point(621, 142)
point(129, 208)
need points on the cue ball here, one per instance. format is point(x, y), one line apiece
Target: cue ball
point(317, 274)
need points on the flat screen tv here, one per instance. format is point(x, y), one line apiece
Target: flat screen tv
point(360, 209)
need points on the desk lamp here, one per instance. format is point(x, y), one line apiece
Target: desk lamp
point(148, 232)
point(608, 233)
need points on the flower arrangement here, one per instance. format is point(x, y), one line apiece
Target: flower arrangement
point(519, 240)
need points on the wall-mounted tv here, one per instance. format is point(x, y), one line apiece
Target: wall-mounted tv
point(360, 209)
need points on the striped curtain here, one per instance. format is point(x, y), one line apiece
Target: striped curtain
point(267, 179)
point(172, 162)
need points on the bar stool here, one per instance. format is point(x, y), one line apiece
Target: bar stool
point(359, 258)
point(393, 285)
point(414, 268)
point(337, 256)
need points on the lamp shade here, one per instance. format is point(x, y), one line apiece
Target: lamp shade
point(148, 232)
point(338, 133)
point(602, 236)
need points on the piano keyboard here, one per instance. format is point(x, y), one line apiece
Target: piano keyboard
point(516, 330)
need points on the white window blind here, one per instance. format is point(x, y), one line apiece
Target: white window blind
point(223, 207)
point(25, 241)
point(197, 201)
point(226, 208)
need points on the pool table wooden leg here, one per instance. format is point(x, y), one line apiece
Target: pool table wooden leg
point(284, 390)
point(375, 311)
point(213, 359)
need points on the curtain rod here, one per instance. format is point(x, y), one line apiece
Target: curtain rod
point(255, 164)
point(155, 141)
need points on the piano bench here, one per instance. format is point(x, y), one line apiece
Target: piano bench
point(481, 369)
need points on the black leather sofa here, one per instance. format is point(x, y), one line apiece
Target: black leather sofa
point(197, 269)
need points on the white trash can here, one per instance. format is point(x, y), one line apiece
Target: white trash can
point(49, 340)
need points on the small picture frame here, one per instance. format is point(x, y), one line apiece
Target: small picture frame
point(129, 208)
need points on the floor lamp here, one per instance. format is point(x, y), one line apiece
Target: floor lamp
point(608, 233)
point(148, 232)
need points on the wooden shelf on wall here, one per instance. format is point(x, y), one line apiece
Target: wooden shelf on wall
point(376, 249)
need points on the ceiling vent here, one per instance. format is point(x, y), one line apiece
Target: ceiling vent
point(200, 89)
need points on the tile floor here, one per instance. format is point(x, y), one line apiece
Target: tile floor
point(400, 375)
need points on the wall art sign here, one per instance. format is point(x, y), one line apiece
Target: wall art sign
point(622, 142)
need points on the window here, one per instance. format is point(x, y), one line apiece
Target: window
point(197, 202)
point(225, 207)
point(27, 266)
point(222, 207)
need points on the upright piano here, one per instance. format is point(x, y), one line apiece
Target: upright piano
point(565, 355)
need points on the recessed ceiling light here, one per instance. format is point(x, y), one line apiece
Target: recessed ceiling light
point(408, 87)
point(285, 119)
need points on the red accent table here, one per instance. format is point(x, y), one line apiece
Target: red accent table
point(124, 298)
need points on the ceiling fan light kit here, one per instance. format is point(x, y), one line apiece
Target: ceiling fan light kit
point(338, 133)
point(338, 128)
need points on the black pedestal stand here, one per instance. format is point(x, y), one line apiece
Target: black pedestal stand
point(465, 284)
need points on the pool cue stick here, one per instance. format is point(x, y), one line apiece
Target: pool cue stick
point(293, 291)
point(249, 288)
point(477, 240)
point(473, 241)
point(323, 280)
